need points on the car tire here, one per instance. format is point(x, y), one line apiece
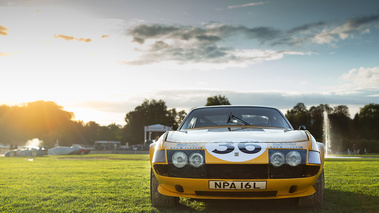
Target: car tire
point(11, 154)
point(157, 199)
point(317, 199)
point(34, 153)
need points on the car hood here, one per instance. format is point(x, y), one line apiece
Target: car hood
point(237, 135)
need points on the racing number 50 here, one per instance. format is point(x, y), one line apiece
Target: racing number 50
point(241, 146)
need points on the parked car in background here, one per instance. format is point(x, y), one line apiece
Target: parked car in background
point(146, 145)
point(65, 150)
point(236, 152)
point(26, 151)
point(136, 147)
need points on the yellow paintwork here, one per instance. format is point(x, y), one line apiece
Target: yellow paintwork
point(304, 186)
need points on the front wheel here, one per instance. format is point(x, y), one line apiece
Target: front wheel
point(157, 199)
point(317, 199)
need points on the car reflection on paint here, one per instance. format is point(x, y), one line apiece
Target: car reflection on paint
point(236, 152)
point(26, 151)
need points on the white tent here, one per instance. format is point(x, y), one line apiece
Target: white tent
point(156, 128)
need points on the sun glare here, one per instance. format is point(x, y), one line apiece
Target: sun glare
point(100, 117)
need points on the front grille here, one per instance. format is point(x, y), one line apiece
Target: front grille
point(236, 171)
point(237, 194)
point(287, 171)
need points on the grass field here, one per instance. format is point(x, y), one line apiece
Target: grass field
point(120, 183)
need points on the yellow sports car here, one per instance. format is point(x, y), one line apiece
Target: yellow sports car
point(236, 152)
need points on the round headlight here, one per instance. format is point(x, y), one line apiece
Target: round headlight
point(179, 159)
point(277, 159)
point(196, 160)
point(293, 158)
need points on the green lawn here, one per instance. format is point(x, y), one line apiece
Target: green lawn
point(120, 183)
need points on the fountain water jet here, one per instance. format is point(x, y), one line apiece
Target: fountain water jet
point(326, 129)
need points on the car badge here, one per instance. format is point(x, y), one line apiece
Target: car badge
point(236, 154)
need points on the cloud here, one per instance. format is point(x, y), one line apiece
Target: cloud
point(188, 44)
point(246, 5)
point(312, 33)
point(209, 54)
point(355, 25)
point(3, 31)
point(321, 33)
point(208, 33)
point(189, 99)
point(70, 38)
point(363, 78)
point(206, 43)
point(306, 27)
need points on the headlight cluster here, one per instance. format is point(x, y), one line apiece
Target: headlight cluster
point(290, 157)
point(185, 157)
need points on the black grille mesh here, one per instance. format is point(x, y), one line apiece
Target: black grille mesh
point(237, 171)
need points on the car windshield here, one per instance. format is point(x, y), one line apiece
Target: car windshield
point(221, 116)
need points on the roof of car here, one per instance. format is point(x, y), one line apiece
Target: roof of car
point(223, 106)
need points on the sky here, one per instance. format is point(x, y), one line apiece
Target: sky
point(101, 59)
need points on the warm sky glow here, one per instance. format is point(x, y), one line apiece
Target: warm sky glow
point(100, 59)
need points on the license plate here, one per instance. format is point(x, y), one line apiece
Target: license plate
point(247, 185)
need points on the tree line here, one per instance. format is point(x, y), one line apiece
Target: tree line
point(359, 133)
point(48, 122)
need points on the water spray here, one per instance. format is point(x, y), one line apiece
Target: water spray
point(326, 129)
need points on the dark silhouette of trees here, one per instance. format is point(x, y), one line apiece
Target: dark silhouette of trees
point(316, 120)
point(361, 131)
point(149, 113)
point(217, 100)
point(366, 124)
point(48, 122)
point(298, 115)
point(39, 119)
point(367, 121)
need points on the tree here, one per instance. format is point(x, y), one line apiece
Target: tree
point(316, 120)
point(217, 100)
point(176, 118)
point(40, 119)
point(298, 115)
point(367, 121)
point(91, 130)
point(149, 113)
point(341, 127)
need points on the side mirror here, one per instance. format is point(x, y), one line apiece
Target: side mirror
point(302, 127)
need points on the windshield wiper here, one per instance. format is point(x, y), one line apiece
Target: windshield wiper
point(231, 116)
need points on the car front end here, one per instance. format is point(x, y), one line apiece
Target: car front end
point(237, 162)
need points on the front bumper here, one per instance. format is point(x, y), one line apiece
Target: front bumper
point(199, 188)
